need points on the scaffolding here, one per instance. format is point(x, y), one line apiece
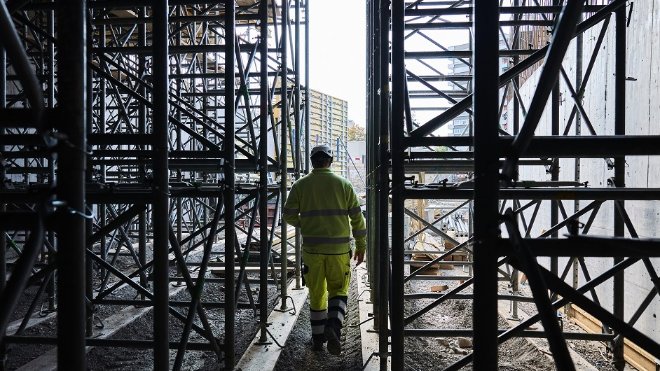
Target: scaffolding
point(134, 135)
point(408, 42)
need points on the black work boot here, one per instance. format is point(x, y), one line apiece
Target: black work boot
point(317, 345)
point(334, 344)
point(317, 342)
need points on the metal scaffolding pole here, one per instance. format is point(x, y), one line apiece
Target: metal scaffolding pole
point(160, 211)
point(619, 171)
point(307, 97)
point(382, 158)
point(554, 171)
point(264, 248)
point(229, 181)
point(284, 157)
point(485, 103)
point(297, 152)
point(72, 85)
point(3, 239)
point(398, 175)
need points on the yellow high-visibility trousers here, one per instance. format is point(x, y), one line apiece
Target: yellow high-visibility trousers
point(327, 277)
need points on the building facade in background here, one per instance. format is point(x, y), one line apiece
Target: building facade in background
point(328, 118)
point(357, 165)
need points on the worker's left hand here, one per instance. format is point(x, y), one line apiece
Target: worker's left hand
point(358, 257)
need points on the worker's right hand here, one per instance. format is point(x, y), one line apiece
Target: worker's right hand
point(358, 257)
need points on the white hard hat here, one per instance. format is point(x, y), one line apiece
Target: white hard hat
point(321, 149)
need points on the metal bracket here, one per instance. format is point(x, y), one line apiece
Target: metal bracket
point(292, 311)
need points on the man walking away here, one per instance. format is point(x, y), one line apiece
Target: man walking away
point(326, 208)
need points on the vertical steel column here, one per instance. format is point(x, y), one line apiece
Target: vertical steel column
point(89, 177)
point(179, 141)
point(284, 160)
point(72, 83)
point(619, 170)
point(263, 171)
point(371, 93)
point(398, 220)
point(296, 115)
point(142, 129)
point(50, 98)
point(230, 208)
point(578, 131)
point(160, 212)
point(554, 173)
point(486, 184)
point(372, 134)
point(383, 117)
point(307, 87)
point(3, 239)
point(515, 274)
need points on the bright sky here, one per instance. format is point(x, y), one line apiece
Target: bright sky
point(337, 52)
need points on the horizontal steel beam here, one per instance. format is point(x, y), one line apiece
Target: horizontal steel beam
point(525, 334)
point(560, 146)
point(435, 295)
point(602, 194)
point(436, 54)
point(469, 25)
point(586, 247)
point(429, 12)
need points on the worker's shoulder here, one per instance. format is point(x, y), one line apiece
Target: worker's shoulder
point(338, 179)
point(327, 178)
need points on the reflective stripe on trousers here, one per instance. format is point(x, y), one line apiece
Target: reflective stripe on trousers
point(318, 320)
point(337, 309)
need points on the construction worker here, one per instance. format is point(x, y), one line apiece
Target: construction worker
point(326, 208)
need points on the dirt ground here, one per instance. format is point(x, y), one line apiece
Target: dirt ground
point(441, 352)
point(594, 352)
point(298, 355)
point(421, 353)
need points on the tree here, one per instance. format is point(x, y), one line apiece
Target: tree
point(356, 132)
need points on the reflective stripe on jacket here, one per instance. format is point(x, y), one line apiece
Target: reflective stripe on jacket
point(326, 208)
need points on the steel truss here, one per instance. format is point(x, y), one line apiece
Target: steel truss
point(136, 137)
point(507, 234)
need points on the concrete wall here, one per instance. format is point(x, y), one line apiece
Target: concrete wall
point(642, 118)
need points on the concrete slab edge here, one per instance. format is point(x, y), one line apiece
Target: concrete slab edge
point(264, 357)
point(370, 358)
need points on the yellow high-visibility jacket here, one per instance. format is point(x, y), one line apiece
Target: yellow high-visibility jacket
point(326, 208)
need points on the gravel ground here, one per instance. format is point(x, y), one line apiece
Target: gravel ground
point(594, 352)
point(128, 360)
point(106, 358)
point(421, 353)
point(425, 353)
point(298, 355)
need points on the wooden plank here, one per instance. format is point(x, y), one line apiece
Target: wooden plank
point(632, 353)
